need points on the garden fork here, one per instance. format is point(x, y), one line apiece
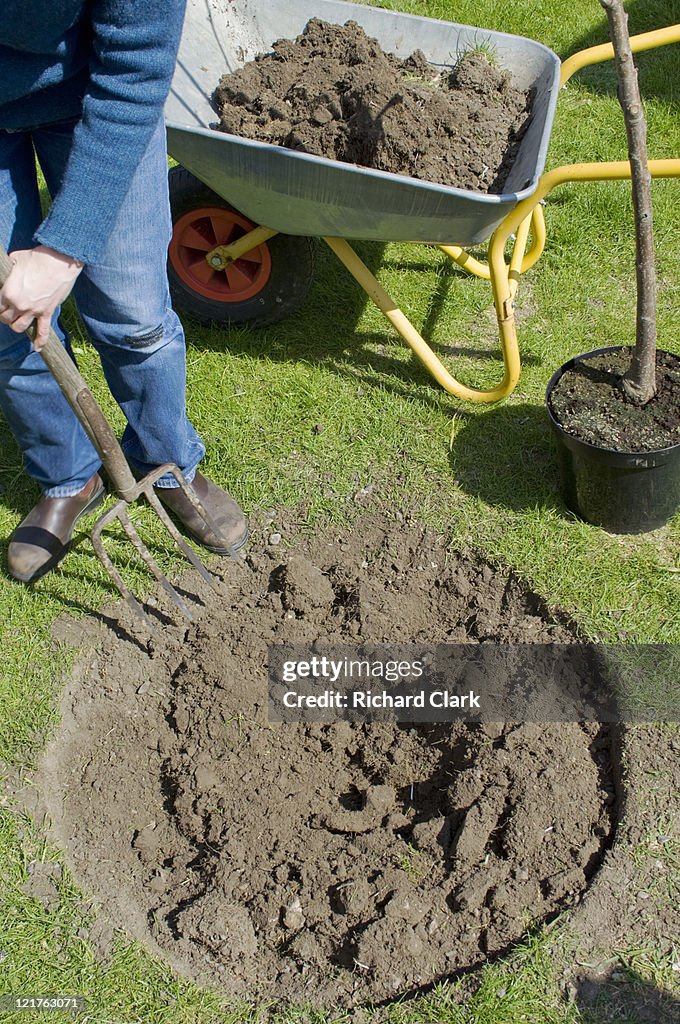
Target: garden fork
point(98, 429)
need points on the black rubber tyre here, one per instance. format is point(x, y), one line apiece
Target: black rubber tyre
point(286, 264)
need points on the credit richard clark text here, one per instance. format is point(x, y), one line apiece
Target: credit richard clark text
point(347, 672)
point(358, 699)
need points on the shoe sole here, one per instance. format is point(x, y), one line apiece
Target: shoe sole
point(54, 561)
point(223, 551)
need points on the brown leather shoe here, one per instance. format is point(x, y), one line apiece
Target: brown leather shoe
point(40, 542)
point(220, 506)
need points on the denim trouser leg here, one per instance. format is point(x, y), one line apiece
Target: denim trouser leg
point(57, 452)
point(125, 305)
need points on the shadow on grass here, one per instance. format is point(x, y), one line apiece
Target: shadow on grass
point(658, 69)
point(326, 330)
point(605, 1001)
point(628, 1001)
point(505, 456)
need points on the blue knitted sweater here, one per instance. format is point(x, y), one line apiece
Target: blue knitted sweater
point(108, 63)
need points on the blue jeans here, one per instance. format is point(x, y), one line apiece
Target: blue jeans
point(125, 305)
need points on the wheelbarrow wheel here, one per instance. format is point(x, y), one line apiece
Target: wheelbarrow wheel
point(267, 284)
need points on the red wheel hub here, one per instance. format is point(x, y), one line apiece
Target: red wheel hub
point(199, 231)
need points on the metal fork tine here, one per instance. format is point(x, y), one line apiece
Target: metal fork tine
point(125, 593)
point(151, 563)
point(185, 548)
point(118, 512)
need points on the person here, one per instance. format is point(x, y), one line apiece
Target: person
point(82, 88)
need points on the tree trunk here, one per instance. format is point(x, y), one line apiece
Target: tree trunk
point(639, 383)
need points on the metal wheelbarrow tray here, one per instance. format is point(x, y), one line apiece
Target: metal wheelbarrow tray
point(296, 193)
point(302, 194)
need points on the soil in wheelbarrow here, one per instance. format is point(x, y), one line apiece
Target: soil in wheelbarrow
point(334, 92)
point(330, 864)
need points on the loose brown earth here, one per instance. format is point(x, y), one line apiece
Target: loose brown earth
point(334, 92)
point(330, 863)
point(589, 403)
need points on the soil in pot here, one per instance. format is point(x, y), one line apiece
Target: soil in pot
point(329, 864)
point(334, 92)
point(589, 404)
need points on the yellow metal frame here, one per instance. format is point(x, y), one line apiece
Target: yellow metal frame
point(524, 221)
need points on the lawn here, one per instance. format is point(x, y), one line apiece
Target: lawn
point(307, 413)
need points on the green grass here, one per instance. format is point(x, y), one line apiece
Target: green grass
point(481, 46)
point(307, 413)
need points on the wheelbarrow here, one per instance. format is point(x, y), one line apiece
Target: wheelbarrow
point(241, 252)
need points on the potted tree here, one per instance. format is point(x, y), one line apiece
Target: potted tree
point(616, 411)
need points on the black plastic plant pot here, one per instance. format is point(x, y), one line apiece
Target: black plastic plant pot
point(623, 492)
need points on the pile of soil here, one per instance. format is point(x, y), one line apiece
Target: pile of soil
point(334, 92)
point(330, 863)
point(589, 403)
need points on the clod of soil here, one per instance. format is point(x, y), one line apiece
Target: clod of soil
point(334, 92)
point(589, 403)
point(333, 864)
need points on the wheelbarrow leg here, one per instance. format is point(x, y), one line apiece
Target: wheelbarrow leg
point(417, 343)
point(534, 224)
